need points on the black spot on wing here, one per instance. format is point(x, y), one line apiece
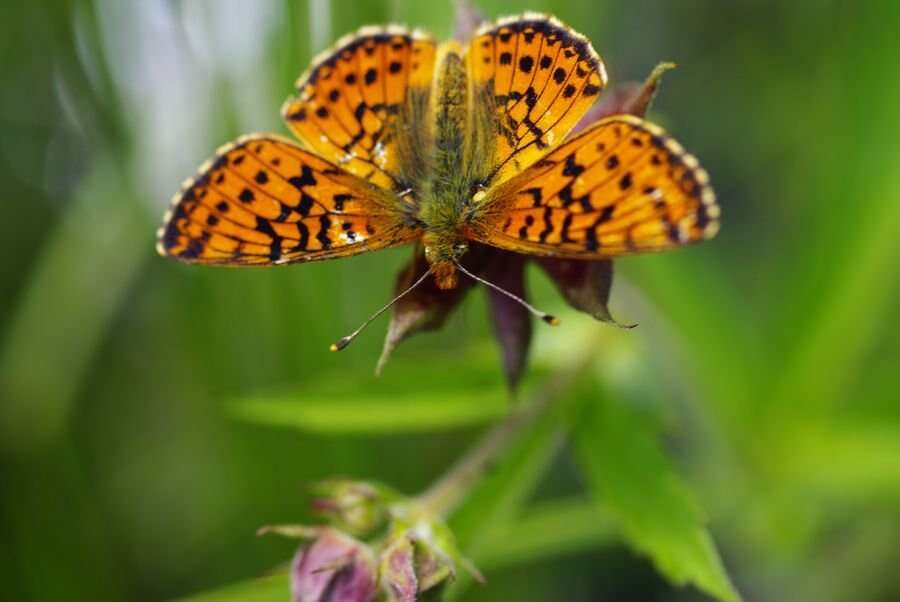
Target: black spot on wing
point(322, 236)
point(702, 217)
point(305, 205)
point(339, 200)
point(170, 235)
point(536, 195)
point(590, 240)
point(304, 236)
point(523, 231)
point(306, 178)
point(275, 250)
point(567, 223)
point(605, 215)
point(193, 250)
point(572, 169)
point(263, 225)
point(548, 224)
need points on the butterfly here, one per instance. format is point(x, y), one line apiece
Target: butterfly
point(405, 140)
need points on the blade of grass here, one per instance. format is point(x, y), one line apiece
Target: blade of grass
point(75, 290)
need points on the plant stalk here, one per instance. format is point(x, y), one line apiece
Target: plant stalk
point(448, 492)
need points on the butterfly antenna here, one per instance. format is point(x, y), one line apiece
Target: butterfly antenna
point(552, 320)
point(343, 342)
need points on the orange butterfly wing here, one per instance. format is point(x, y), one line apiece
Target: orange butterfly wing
point(622, 186)
point(263, 200)
point(532, 79)
point(365, 104)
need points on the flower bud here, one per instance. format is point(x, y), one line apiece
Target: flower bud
point(419, 558)
point(359, 508)
point(408, 554)
point(334, 567)
point(397, 570)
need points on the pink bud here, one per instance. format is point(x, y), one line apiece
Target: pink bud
point(334, 567)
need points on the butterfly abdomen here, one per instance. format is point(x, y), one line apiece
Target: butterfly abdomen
point(448, 186)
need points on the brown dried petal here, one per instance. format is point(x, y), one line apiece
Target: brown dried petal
point(511, 322)
point(584, 284)
point(468, 18)
point(640, 103)
point(632, 98)
point(425, 308)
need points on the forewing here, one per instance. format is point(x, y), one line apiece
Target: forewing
point(532, 78)
point(364, 105)
point(622, 186)
point(263, 200)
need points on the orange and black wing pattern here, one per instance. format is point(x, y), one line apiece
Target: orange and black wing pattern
point(532, 79)
point(263, 200)
point(364, 105)
point(622, 186)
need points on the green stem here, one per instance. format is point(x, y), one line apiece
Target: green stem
point(450, 490)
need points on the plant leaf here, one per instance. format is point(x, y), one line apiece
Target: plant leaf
point(274, 588)
point(630, 477)
point(550, 528)
point(374, 415)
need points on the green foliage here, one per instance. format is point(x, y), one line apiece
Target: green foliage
point(493, 506)
point(375, 415)
point(258, 590)
point(547, 529)
point(630, 477)
point(764, 364)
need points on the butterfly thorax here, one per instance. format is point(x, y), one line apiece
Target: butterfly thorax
point(449, 187)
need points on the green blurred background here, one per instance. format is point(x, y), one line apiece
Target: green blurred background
point(766, 359)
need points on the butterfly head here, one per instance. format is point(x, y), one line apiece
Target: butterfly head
point(442, 254)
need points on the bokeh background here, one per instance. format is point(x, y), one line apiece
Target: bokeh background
point(152, 414)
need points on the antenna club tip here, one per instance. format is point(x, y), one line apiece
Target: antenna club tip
point(551, 320)
point(341, 344)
